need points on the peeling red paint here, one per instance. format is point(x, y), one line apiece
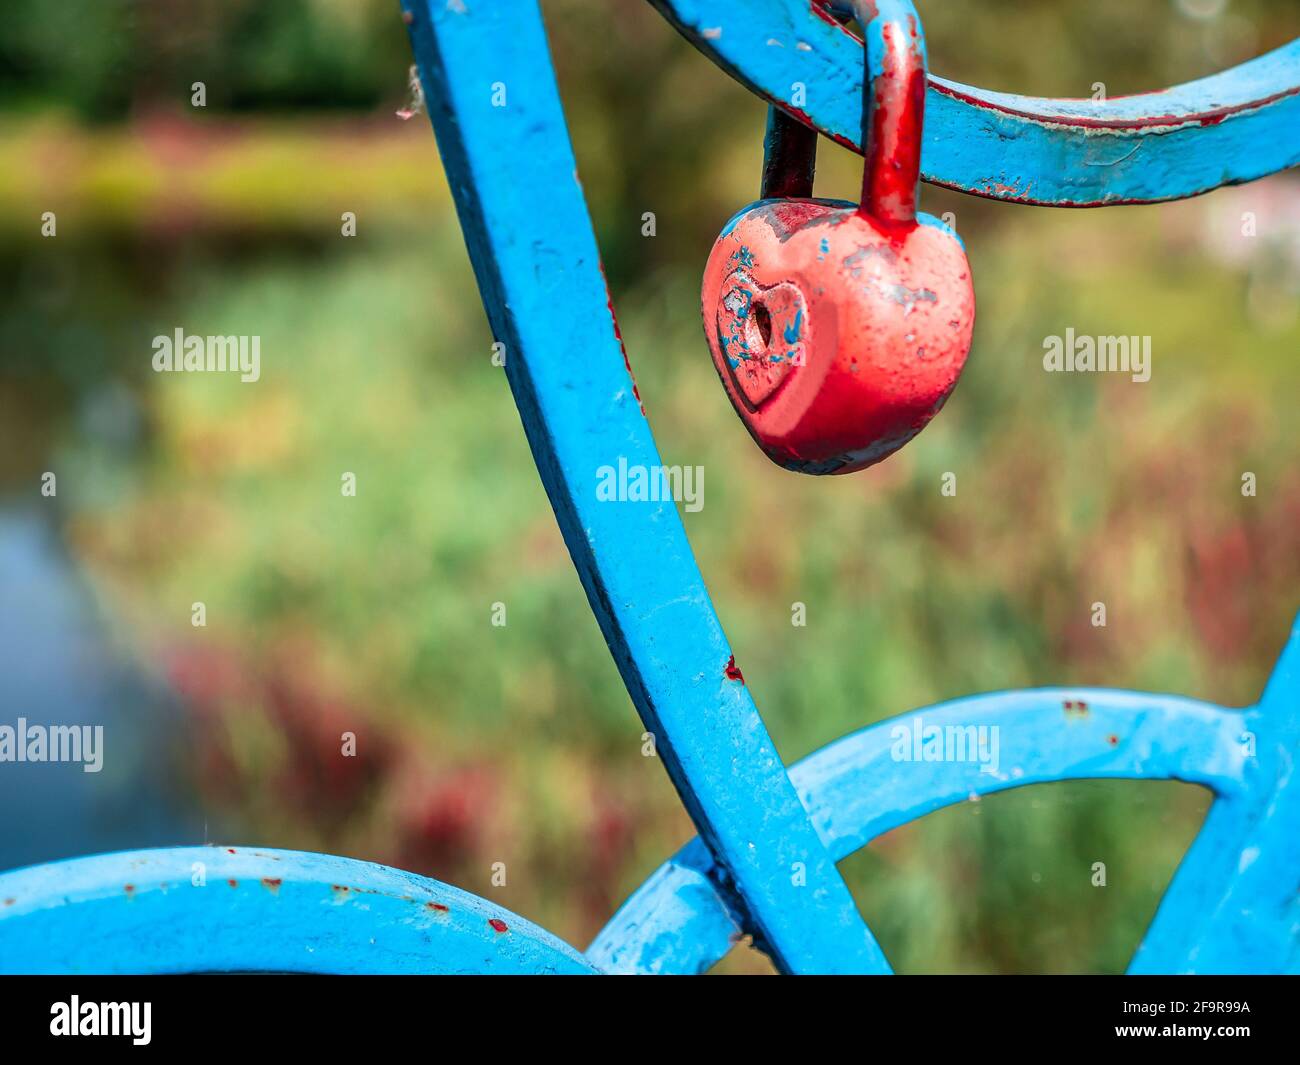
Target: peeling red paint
point(498, 926)
point(627, 362)
point(852, 297)
point(233, 883)
point(128, 888)
point(865, 295)
point(897, 109)
point(1114, 740)
point(1211, 117)
point(1001, 190)
point(436, 906)
point(819, 9)
point(618, 335)
point(272, 884)
point(732, 671)
point(1094, 120)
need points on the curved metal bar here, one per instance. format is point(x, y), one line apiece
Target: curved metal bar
point(236, 909)
point(495, 107)
point(1235, 126)
point(868, 783)
point(893, 109)
point(678, 922)
point(1233, 905)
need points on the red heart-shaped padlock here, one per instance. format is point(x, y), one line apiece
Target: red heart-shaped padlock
point(840, 330)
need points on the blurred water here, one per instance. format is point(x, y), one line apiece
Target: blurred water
point(59, 666)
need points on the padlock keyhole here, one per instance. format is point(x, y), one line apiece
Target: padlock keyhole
point(763, 321)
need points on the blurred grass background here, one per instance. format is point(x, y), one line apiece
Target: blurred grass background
point(518, 744)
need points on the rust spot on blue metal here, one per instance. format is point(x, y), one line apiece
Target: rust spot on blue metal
point(272, 884)
point(618, 335)
point(732, 671)
point(1210, 117)
point(128, 888)
point(436, 906)
point(1075, 707)
point(233, 883)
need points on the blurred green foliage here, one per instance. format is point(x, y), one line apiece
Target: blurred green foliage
point(518, 744)
point(105, 58)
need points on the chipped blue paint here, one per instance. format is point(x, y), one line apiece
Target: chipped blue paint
point(792, 331)
point(743, 256)
point(930, 220)
point(1232, 906)
point(855, 791)
point(733, 221)
point(224, 909)
point(1232, 127)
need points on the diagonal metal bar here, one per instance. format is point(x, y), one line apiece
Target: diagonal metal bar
point(494, 104)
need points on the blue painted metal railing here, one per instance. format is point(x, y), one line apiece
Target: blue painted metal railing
point(764, 862)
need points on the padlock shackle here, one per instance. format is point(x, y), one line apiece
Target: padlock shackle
point(789, 157)
point(893, 108)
